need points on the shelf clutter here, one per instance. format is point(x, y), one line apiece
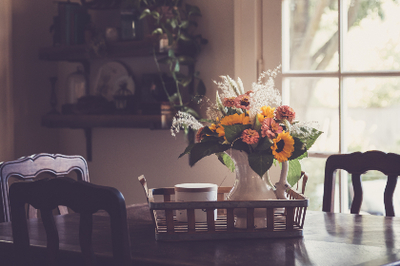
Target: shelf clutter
point(109, 30)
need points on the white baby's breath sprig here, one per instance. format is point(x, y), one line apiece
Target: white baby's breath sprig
point(182, 119)
point(264, 94)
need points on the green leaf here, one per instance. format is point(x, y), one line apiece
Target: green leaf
point(313, 137)
point(260, 162)
point(233, 132)
point(173, 23)
point(264, 144)
point(157, 31)
point(145, 13)
point(177, 67)
point(294, 172)
point(171, 53)
point(299, 148)
point(193, 10)
point(304, 155)
point(308, 135)
point(155, 15)
point(226, 160)
point(187, 150)
point(257, 125)
point(184, 24)
point(241, 146)
point(203, 149)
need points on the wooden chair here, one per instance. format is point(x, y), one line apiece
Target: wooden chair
point(356, 164)
point(29, 167)
point(83, 198)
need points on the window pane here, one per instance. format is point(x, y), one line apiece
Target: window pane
point(314, 167)
point(316, 100)
point(373, 39)
point(373, 106)
point(311, 40)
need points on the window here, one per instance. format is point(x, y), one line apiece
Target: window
point(340, 68)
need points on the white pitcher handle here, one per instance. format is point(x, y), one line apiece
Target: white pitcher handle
point(282, 185)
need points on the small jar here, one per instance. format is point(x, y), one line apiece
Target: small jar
point(76, 86)
point(195, 192)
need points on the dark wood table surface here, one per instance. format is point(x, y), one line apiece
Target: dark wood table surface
point(329, 239)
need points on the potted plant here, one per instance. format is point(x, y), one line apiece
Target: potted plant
point(174, 23)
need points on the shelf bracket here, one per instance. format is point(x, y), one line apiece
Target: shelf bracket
point(88, 136)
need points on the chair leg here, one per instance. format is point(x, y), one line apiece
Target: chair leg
point(51, 235)
point(85, 238)
point(388, 196)
point(358, 193)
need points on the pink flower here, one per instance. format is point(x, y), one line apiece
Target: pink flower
point(270, 128)
point(285, 112)
point(243, 101)
point(250, 136)
point(229, 102)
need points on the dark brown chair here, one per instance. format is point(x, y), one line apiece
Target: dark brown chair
point(356, 164)
point(83, 198)
point(30, 167)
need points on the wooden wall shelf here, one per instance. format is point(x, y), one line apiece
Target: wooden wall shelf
point(91, 121)
point(88, 122)
point(82, 52)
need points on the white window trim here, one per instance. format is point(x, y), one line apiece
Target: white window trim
point(247, 40)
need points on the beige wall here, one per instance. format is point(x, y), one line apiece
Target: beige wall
point(31, 87)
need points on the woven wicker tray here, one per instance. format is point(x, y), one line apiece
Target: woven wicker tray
point(285, 218)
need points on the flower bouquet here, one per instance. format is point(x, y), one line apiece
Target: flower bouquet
point(254, 122)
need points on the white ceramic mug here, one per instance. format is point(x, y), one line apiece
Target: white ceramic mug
point(195, 192)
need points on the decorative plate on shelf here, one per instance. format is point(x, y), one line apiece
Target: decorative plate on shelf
point(111, 77)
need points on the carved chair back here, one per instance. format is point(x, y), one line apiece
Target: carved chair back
point(30, 167)
point(83, 198)
point(356, 164)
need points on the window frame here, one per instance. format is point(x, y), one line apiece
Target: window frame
point(269, 35)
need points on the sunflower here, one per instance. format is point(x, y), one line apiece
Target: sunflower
point(235, 119)
point(220, 130)
point(266, 112)
point(283, 146)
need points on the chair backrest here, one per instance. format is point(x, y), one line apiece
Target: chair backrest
point(29, 167)
point(356, 164)
point(83, 198)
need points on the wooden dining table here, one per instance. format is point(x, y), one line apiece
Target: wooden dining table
point(328, 239)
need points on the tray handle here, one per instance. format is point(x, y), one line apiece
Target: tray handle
point(143, 181)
